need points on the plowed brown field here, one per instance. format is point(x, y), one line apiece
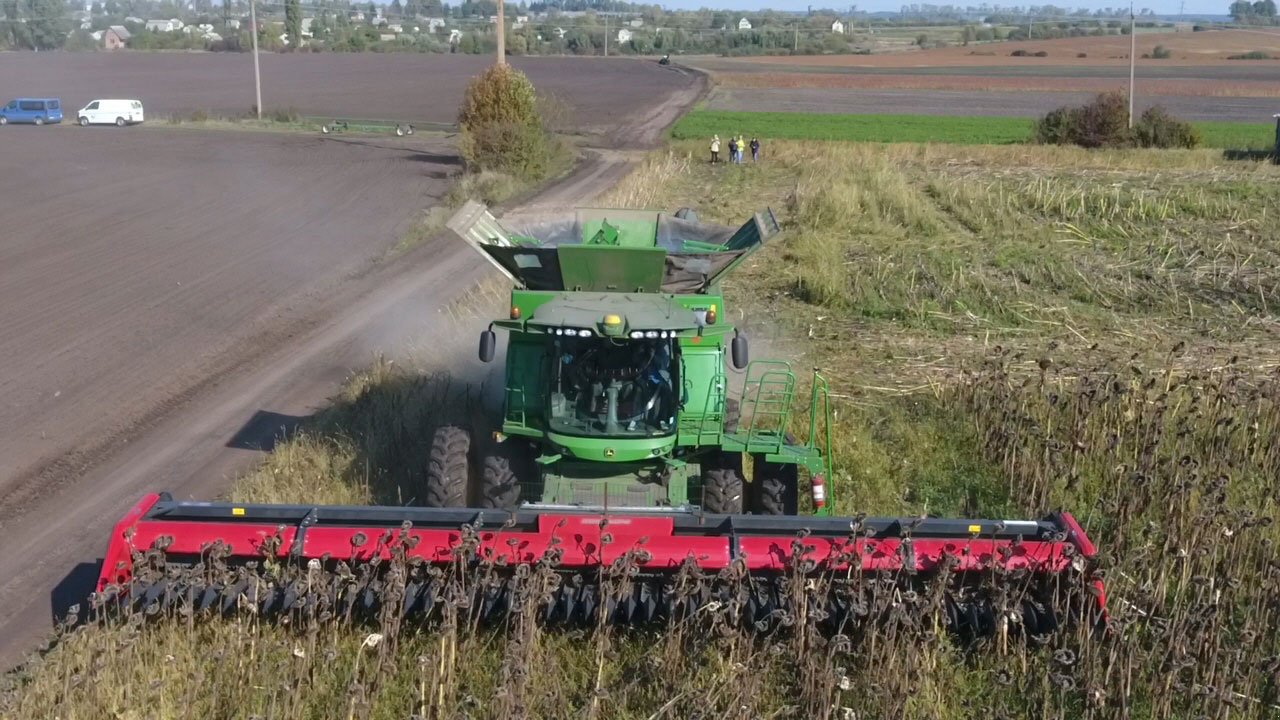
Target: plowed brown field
point(601, 93)
point(1187, 87)
point(1186, 47)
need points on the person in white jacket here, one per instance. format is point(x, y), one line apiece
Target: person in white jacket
point(715, 148)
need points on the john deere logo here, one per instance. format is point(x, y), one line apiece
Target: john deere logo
point(608, 452)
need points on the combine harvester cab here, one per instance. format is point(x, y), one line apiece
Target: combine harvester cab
point(617, 467)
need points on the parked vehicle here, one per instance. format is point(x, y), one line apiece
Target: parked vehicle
point(111, 112)
point(37, 111)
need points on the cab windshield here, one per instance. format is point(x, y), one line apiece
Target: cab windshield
point(617, 388)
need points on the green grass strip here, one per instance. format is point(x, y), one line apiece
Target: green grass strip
point(919, 128)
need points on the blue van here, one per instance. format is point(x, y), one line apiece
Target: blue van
point(32, 110)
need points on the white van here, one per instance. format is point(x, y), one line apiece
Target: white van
point(110, 112)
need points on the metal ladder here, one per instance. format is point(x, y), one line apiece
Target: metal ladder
point(767, 396)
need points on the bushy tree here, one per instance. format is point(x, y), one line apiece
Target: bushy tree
point(1158, 129)
point(293, 22)
point(35, 24)
point(1104, 122)
point(80, 41)
point(501, 127)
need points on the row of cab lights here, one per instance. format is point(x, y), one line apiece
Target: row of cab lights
point(635, 334)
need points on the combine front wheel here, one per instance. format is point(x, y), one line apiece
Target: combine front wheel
point(500, 477)
point(722, 489)
point(449, 468)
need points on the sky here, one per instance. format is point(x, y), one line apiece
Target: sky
point(1160, 7)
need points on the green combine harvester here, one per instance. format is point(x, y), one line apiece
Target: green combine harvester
point(616, 391)
point(611, 486)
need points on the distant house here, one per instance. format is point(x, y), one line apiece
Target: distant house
point(306, 26)
point(171, 25)
point(357, 16)
point(396, 28)
point(233, 23)
point(434, 24)
point(455, 36)
point(744, 24)
point(837, 27)
point(636, 22)
point(134, 20)
point(115, 37)
point(386, 37)
point(97, 35)
point(559, 32)
point(521, 21)
point(624, 35)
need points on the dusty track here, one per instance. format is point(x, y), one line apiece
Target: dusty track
point(56, 524)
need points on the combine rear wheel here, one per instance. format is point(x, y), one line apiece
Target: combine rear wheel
point(504, 469)
point(449, 468)
point(722, 486)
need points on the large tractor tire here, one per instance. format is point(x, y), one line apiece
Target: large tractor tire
point(506, 467)
point(777, 487)
point(723, 488)
point(449, 469)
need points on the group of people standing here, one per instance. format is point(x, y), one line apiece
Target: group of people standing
point(737, 149)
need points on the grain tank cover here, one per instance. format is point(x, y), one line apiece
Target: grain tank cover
point(612, 250)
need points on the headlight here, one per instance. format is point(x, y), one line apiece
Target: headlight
point(558, 331)
point(584, 333)
point(651, 334)
point(637, 334)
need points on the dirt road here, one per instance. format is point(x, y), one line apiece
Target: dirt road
point(56, 524)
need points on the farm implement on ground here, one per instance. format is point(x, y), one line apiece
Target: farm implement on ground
point(613, 485)
point(369, 127)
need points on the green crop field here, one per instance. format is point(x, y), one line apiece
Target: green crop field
point(919, 128)
point(1008, 330)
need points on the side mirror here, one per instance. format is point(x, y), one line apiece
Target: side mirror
point(488, 341)
point(738, 352)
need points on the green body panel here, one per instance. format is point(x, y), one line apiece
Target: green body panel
point(617, 353)
point(648, 484)
point(612, 450)
point(612, 269)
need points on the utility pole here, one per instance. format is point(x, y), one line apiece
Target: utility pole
point(257, 73)
point(606, 36)
point(795, 49)
point(502, 34)
point(1030, 17)
point(1133, 49)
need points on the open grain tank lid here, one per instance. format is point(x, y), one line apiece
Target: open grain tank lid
point(611, 250)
